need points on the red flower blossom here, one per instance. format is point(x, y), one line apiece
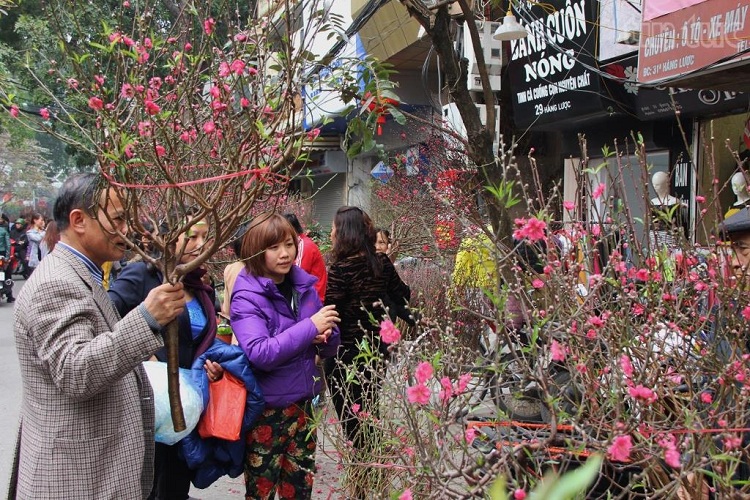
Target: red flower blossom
point(95, 103)
point(152, 108)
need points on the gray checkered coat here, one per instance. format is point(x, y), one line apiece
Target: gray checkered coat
point(87, 418)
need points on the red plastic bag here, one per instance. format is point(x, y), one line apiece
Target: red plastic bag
point(226, 407)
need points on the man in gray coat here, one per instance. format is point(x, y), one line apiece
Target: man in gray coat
point(87, 417)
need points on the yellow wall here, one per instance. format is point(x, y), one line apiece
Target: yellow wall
point(389, 31)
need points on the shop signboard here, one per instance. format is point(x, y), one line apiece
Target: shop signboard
point(551, 70)
point(715, 32)
point(656, 103)
point(659, 103)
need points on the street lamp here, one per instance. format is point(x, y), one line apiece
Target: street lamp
point(510, 29)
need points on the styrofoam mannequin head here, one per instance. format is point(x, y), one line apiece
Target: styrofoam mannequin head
point(739, 184)
point(739, 187)
point(660, 181)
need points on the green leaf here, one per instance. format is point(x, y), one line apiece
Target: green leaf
point(398, 116)
point(498, 490)
point(570, 484)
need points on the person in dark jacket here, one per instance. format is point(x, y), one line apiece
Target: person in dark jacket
point(360, 281)
point(20, 243)
point(281, 325)
point(197, 331)
point(5, 248)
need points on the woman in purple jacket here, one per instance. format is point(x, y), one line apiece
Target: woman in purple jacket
point(282, 326)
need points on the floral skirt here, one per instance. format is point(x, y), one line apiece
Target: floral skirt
point(280, 454)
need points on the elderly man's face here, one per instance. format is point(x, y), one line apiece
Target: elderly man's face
point(101, 240)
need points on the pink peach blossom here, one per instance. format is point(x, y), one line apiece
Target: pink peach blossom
point(642, 393)
point(389, 333)
point(447, 389)
point(419, 394)
point(557, 351)
point(423, 372)
point(209, 25)
point(620, 448)
point(532, 229)
point(626, 365)
point(127, 91)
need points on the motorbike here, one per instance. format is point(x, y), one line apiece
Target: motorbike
point(6, 281)
point(15, 265)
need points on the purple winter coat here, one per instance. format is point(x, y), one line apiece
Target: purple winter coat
point(278, 344)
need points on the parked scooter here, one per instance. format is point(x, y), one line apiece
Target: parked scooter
point(6, 281)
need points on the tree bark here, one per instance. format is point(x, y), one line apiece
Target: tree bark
point(171, 341)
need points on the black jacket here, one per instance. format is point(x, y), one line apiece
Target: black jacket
point(132, 286)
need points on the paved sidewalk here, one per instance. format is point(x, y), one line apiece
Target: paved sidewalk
point(327, 459)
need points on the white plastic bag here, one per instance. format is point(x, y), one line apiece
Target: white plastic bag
point(192, 402)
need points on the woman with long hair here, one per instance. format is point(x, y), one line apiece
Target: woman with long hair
point(35, 234)
point(51, 237)
point(281, 325)
point(360, 281)
point(197, 331)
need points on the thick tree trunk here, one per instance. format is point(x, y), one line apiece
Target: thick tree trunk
point(171, 341)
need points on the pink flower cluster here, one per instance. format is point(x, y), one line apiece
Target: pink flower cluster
point(531, 229)
point(619, 450)
point(639, 392)
point(389, 333)
point(671, 453)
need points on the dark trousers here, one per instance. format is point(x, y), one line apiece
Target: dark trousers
point(171, 475)
point(353, 398)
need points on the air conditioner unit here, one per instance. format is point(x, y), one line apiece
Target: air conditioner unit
point(492, 49)
point(474, 83)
